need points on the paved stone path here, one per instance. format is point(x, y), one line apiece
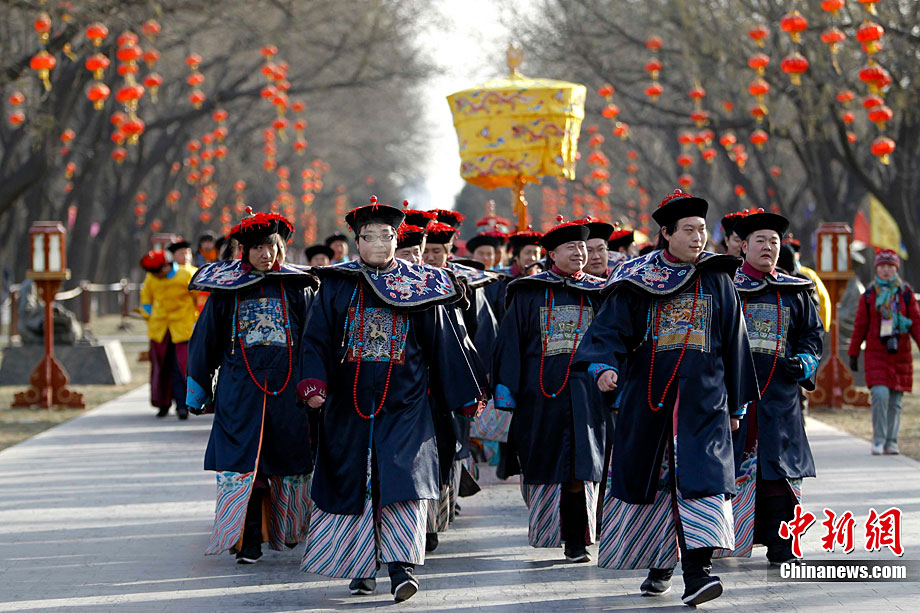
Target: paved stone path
point(111, 512)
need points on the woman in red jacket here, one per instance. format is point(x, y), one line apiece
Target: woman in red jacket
point(887, 314)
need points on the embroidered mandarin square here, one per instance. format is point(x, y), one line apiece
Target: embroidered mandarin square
point(378, 324)
point(760, 318)
point(560, 334)
point(262, 322)
point(675, 318)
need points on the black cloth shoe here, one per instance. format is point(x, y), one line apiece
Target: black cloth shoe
point(431, 541)
point(363, 587)
point(577, 555)
point(574, 519)
point(163, 412)
point(181, 412)
point(701, 588)
point(251, 549)
point(403, 584)
point(776, 509)
point(658, 582)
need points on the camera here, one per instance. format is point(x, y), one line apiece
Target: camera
point(891, 343)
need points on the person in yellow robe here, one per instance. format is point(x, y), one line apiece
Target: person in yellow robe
point(170, 310)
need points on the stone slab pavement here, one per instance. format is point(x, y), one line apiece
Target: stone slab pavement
point(112, 511)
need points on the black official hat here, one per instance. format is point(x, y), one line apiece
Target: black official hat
point(598, 228)
point(451, 218)
point(409, 235)
point(176, 246)
point(521, 239)
point(621, 238)
point(564, 232)
point(761, 221)
point(374, 212)
point(492, 239)
point(314, 250)
point(338, 236)
point(440, 233)
point(679, 205)
point(257, 226)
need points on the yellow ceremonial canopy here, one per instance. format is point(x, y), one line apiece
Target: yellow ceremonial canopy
point(514, 130)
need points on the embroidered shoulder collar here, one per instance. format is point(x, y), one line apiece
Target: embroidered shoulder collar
point(474, 277)
point(586, 283)
point(229, 276)
point(653, 274)
point(746, 284)
point(403, 284)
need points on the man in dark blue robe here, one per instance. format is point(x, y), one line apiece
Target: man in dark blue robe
point(772, 455)
point(558, 416)
point(671, 338)
point(378, 337)
point(525, 253)
point(259, 446)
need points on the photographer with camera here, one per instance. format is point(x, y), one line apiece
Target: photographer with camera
point(886, 315)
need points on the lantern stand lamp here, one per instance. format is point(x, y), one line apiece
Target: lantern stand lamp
point(834, 383)
point(48, 269)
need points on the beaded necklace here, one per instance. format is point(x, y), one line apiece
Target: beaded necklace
point(779, 337)
point(683, 348)
point(551, 303)
point(238, 333)
point(359, 319)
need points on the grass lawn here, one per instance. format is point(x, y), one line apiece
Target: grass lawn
point(16, 425)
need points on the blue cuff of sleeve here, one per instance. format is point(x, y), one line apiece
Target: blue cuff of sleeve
point(147, 308)
point(503, 398)
point(597, 369)
point(810, 363)
point(172, 271)
point(195, 396)
point(741, 411)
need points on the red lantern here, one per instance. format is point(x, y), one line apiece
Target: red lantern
point(67, 136)
point(759, 138)
point(268, 51)
point(832, 37)
point(775, 171)
point(119, 154)
point(150, 29)
point(883, 147)
point(42, 25)
point(16, 118)
point(16, 98)
point(70, 169)
point(96, 32)
point(126, 38)
point(697, 93)
point(220, 115)
point(195, 79)
point(793, 24)
point(605, 90)
point(129, 53)
point(151, 57)
point(758, 34)
point(758, 62)
point(870, 102)
point(611, 111)
point(205, 216)
point(876, 77)
point(684, 160)
point(848, 117)
point(700, 118)
point(133, 128)
point(653, 91)
point(851, 137)
point(126, 69)
point(653, 43)
point(97, 64)
point(153, 81)
point(795, 65)
point(845, 96)
point(197, 98)
point(98, 93)
point(758, 88)
point(685, 139)
point(832, 6)
point(708, 154)
point(727, 140)
point(621, 129)
point(129, 95)
point(880, 115)
point(193, 60)
point(653, 67)
point(156, 225)
point(869, 33)
point(43, 63)
point(685, 181)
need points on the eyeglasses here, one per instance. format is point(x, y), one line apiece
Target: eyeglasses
point(373, 238)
